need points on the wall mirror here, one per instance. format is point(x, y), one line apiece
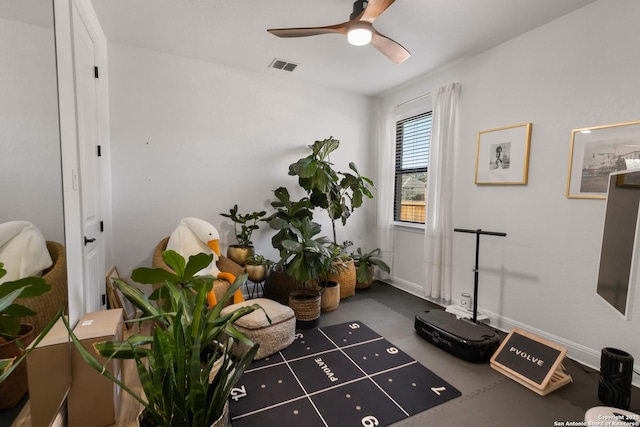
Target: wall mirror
point(598, 151)
point(30, 158)
point(619, 254)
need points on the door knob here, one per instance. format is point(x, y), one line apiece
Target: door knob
point(88, 240)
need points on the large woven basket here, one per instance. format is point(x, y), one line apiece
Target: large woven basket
point(345, 274)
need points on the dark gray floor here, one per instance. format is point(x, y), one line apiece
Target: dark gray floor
point(488, 397)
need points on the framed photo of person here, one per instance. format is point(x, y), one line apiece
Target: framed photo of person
point(502, 155)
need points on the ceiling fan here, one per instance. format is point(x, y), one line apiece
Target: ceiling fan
point(358, 29)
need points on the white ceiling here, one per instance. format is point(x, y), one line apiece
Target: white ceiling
point(233, 33)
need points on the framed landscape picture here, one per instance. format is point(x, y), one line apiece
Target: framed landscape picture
point(598, 151)
point(502, 155)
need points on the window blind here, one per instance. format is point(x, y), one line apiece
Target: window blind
point(413, 135)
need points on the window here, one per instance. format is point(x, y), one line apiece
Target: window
point(413, 135)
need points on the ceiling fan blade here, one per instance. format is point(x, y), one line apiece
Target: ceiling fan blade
point(375, 9)
point(309, 31)
point(389, 48)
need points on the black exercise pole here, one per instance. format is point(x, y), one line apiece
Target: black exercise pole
point(477, 232)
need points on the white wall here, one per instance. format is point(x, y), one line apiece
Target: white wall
point(578, 71)
point(30, 172)
point(191, 138)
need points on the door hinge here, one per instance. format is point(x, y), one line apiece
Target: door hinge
point(95, 72)
point(99, 150)
point(101, 226)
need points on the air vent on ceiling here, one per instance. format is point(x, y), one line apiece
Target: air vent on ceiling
point(281, 64)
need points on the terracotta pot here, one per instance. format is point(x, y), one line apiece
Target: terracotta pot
point(239, 255)
point(15, 386)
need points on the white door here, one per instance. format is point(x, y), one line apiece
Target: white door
point(86, 78)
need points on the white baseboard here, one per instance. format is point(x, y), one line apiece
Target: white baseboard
point(587, 356)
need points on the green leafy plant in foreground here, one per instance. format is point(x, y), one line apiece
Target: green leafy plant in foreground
point(11, 312)
point(186, 368)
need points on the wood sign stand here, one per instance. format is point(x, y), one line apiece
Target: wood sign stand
point(532, 361)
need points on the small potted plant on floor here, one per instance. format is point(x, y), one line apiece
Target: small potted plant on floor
point(365, 263)
point(247, 224)
point(186, 368)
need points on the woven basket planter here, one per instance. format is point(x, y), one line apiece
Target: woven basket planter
point(345, 274)
point(306, 303)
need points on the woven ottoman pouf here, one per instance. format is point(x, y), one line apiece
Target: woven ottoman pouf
point(272, 337)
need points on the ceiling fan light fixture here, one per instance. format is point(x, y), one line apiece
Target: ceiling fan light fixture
point(359, 36)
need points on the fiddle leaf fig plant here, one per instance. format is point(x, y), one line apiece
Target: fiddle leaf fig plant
point(338, 193)
point(304, 255)
point(287, 211)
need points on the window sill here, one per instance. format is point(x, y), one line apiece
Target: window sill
point(409, 226)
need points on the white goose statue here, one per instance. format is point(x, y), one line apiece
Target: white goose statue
point(193, 236)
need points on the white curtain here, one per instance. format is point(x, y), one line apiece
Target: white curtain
point(439, 214)
point(386, 141)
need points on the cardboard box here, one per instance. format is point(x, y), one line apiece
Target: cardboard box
point(49, 372)
point(94, 399)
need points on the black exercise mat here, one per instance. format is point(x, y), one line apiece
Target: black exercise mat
point(337, 376)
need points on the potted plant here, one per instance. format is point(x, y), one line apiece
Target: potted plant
point(278, 284)
point(365, 262)
point(15, 336)
point(257, 267)
point(248, 223)
point(342, 269)
point(305, 257)
point(186, 367)
point(338, 193)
